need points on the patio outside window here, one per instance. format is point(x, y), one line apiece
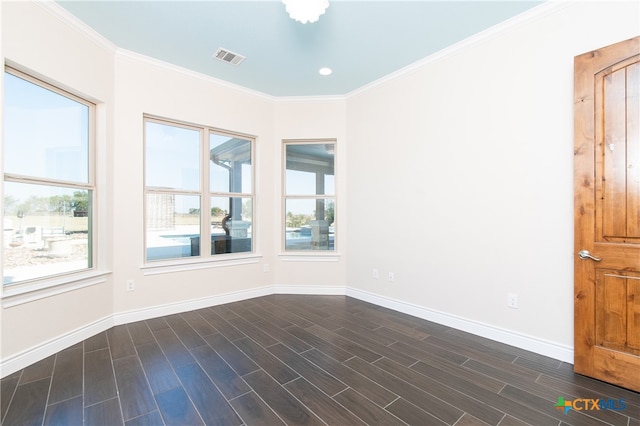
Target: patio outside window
point(309, 201)
point(183, 206)
point(48, 180)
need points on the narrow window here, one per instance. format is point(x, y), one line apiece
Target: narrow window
point(48, 180)
point(309, 195)
point(199, 187)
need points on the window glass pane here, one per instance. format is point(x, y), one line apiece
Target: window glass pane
point(46, 231)
point(46, 135)
point(173, 226)
point(309, 224)
point(310, 169)
point(231, 224)
point(172, 157)
point(230, 164)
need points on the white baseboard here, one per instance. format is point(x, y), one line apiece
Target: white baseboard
point(189, 305)
point(509, 337)
point(17, 362)
point(39, 352)
point(310, 289)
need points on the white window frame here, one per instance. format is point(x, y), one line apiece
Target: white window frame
point(205, 259)
point(306, 255)
point(49, 285)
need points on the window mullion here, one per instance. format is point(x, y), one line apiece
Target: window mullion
point(205, 202)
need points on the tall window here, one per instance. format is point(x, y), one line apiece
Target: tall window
point(48, 180)
point(199, 187)
point(309, 195)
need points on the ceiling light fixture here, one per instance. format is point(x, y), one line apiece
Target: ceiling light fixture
point(306, 10)
point(325, 71)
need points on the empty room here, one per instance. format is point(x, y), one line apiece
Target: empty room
point(320, 212)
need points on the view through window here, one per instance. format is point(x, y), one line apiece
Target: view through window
point(183, 206)
point(309, 200)
point(48, 180)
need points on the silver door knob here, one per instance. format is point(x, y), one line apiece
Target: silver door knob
point(584, 254)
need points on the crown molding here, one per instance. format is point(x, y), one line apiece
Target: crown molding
point(71, 20)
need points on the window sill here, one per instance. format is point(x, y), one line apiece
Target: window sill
point(163, 267)
point(18, 294)
point(309, 257)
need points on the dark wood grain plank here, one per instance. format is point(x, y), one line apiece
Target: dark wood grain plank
point(231, 354)
point(254, 411)
point(189, 337)
point(312, 340)
point(105, 413)
point(159, 373)
point(269, 363)
point(283, 336)
point(38, 371)
point(120, 342)
point(8, 387)
point(316, 376)
point(222, 325)
point(346, 344)
point(228, 381)
point(281, 401)
point(99, 341)
point(67, 375)
point(136, 397)
point(65, 413)
point(28, 405)
point(140, 333)
point(150, 419)
point(433, 405)
point(489, 383)
point(253, 332)
point(320, 403)
point(199, 324)
point(413, 415)
point(207, 399)
point(177, 354)
point(99, 381)
point(440, 390)
point(358, 382)
point(366, 410)
point(176, 409)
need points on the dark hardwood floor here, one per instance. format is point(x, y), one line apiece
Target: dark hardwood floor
point(301, 360)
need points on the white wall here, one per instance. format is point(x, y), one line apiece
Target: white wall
point(144, 87)
point(463, 170)
point(43, 46)
point(459, 177)
point(303, 120)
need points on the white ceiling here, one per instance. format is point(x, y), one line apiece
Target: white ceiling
point(362, 41)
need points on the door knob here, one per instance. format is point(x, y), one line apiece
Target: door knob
point(584, 254)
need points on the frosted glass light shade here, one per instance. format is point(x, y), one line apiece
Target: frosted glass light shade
point(306, 10)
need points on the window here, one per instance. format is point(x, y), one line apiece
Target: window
point(48, 180)
point(309, 195)
point(199, 187)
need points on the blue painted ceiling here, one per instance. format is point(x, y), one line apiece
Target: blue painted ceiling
point(361, 41)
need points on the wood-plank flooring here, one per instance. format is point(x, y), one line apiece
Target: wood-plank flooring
point(301, 360)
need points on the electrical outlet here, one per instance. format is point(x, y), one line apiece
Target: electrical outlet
point(392, 277)
point(375, 274)
point(265, 267)
point(131, 285)
point(512, 300)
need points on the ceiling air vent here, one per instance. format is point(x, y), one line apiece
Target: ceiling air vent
point(228, 56)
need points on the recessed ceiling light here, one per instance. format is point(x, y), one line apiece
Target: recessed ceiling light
point(325, 71)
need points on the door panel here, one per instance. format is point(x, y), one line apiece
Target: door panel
point(607, 214)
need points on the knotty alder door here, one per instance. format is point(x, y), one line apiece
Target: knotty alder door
point(607, 214)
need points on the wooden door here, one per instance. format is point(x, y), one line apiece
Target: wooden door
point(607, 214)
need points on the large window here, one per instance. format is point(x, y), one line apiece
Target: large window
point(199, 187)
point(309, 195)
point(48, 180)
